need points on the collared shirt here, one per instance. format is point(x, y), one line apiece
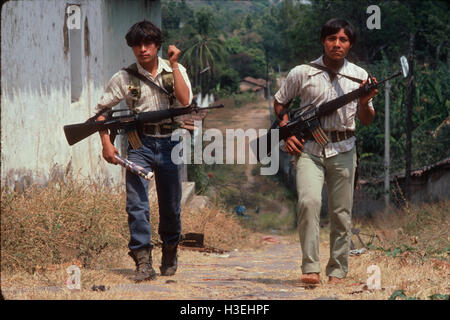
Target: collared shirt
point(152, 99)
point(314, 86)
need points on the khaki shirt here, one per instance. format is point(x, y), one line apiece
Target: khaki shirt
point(313, 86)
point(152, 99)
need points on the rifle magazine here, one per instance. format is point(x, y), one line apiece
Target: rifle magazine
point(320, 136)
point(134, 139)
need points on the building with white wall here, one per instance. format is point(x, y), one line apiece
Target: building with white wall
point(54, 67)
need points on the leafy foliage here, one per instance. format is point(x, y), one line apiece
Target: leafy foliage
point(264, 38)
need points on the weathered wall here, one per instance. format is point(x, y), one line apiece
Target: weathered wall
point(36, 85)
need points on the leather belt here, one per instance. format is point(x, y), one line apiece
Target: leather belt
point(155, 129)
point(335, 136)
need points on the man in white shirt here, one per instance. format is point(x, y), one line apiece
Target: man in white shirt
point(335, 163)
point(150, 146)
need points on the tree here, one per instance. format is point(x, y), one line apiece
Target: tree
point(175, 14)
point(203, 50)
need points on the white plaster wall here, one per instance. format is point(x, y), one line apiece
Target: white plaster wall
point(35, 84)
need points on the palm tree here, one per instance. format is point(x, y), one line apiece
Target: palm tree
point(203, 50)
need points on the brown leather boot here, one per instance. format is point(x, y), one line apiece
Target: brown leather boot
point(169, 260)
point(143, 259)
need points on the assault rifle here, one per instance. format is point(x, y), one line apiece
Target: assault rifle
point(126, 122)
point(306, 121)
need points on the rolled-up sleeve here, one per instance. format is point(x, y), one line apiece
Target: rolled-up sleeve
point(290, 88)
point(113, 94)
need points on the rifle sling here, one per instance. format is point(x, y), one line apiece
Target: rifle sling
point(334, 73)
point(146, 80)
point(327, 106)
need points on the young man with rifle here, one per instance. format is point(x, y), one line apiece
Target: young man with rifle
point(151, 84)
point(328, 153)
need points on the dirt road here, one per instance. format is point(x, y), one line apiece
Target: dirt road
point(255, 115)
point(271, 272)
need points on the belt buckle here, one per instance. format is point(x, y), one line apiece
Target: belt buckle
point(151, 129)
point(165, 128)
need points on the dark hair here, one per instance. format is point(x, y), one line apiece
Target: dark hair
point(144, 32)
point(334, 25)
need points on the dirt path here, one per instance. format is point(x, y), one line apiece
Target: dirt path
point(268, 273)
point(254, 115)
point(271, 272)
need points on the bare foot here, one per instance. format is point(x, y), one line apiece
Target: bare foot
point(334, 280)
point(311, 278)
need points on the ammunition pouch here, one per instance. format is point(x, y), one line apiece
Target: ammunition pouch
point(134, 140)
point(134, 89)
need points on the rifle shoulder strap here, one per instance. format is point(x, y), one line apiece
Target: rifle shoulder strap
point(331, 72)
point(167, 81)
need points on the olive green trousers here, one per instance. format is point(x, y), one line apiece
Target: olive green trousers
point(338, 173)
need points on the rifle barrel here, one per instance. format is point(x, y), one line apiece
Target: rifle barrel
point(214, 107)
point(339, 102)
point(389, 78)
point(156, 116)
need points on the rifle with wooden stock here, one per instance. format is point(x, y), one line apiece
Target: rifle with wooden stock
point(127, 122)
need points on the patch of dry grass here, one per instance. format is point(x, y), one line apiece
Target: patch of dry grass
point(61, 224)
point(421, 231)
point(86, 224)
point(418, 280)
point(411, 246)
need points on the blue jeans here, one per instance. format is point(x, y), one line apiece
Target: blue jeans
point(155, 155)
